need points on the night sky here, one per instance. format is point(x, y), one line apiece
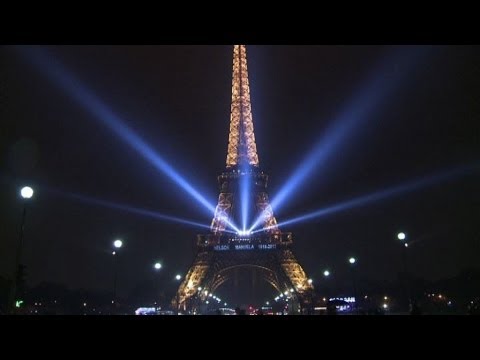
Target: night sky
point(178, 99)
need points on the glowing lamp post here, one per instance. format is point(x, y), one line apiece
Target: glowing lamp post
point(178, 277)
point(352, 262)
point(157, 267)
point(326, 274)
point(117, 244)
point(403, 238)
point(26, 193)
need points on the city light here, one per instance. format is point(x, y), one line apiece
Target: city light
point(178, 277)
point(401, 236)
point(157, 266)
point(118, 243)
point(326, 273)
point(352, 260)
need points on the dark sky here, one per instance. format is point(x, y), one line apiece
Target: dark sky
point(178, 99)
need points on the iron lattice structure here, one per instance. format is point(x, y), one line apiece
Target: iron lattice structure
point(221, 251)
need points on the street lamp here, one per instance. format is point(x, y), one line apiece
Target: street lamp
point(403, 238)
point(352, 262)
point(26, 193)
point(326, 274)
point(117, 244)
point(157, 266)
point(178, 277)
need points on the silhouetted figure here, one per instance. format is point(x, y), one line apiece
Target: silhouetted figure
point(239, 311)
point(331, 309)
point(416, 310)
point(474, 308)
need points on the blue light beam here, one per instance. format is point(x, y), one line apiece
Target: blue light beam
point(245, 188)
point(126, 208)
point(63, 78)
point(383, 194)
point(347, 125)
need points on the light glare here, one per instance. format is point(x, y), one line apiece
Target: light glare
point(26, 192)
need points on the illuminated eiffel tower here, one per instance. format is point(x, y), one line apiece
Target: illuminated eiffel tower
point(226, 248)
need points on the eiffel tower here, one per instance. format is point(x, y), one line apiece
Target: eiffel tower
point(226, 248)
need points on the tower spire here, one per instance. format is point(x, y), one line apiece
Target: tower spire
point(242, 149)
